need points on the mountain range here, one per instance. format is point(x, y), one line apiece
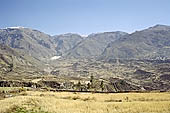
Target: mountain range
point(30, 47)
point(151, 43)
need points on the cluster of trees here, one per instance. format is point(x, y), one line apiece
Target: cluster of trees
point(91, 85)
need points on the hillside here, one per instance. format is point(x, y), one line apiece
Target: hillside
point(151, 43)
point(93, 45)
point(28, 41)
point(65, 42)
point(15, 64)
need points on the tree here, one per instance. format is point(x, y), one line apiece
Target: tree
point(88, 86)
point(79, 86)
point(102, 85)
point(91, 80)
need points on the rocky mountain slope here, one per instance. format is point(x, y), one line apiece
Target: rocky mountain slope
point(151, 43)
point(42, 46)
point(14, 63)
point(28, 41)
point(93, 45)
point(65, 42)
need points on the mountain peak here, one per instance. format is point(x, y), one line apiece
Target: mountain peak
point(111, 32)
point(68, 34)
point(15, 27)
point(160, 27)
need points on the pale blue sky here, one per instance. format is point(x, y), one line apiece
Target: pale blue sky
point(84, 16)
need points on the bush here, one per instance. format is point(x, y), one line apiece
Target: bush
point(17, 109)
point(88, 99)
point(42, 95)
point(76, 97)
point(112, 100)
point(24, 93)
point(68, 97)
point(22, 90)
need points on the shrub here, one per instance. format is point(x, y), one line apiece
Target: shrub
point(112, 100)
point(88, 99)
point(17, 109)
point(76, 98)
point(22, 90)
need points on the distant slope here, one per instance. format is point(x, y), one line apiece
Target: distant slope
point(28, 41)
point(65, 42)
point(93, 45)
point(6, 61)
point(151, 43)
point(13, 63)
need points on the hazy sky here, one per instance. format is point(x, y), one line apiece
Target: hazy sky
point(84, 16)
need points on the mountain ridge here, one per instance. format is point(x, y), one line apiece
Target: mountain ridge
point(141, 44)
point(104, 45)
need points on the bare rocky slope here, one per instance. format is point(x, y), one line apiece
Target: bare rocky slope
point(13, 63)
point(93, 45)
point(28, 41)
point(151, 43)
point(66, 42)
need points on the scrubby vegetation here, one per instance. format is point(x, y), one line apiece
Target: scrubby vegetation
point(65, 102)
point(17, 109)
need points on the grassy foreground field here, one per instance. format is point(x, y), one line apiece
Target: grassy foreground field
point(65, 102)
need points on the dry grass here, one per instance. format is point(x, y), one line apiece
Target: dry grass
point(8, 88)
point(63, 102)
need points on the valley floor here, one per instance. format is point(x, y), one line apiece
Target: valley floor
point(67, 102)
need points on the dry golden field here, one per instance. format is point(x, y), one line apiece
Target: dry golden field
point(67, 102)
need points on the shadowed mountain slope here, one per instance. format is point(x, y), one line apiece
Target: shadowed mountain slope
point(14, 63)
point(151, 43)
point(28, 41)
point(65, 42)
point(93, 45)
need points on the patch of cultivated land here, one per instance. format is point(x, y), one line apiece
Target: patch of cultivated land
point(67, 102)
